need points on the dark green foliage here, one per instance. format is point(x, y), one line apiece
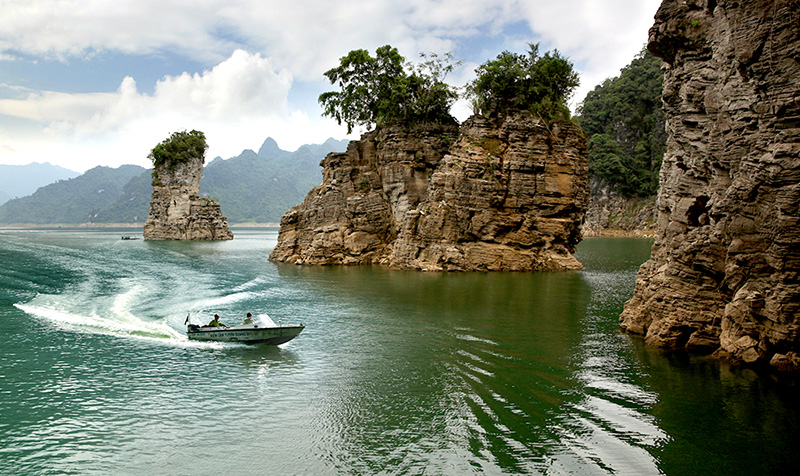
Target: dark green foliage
point(179, 148)
point(387, 88)
point(541, 84)
point(625, 124)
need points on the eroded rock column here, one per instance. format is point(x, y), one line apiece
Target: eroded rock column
point(723, 274)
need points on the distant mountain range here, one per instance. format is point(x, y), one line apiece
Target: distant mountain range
point(254, 187)
point(23, 180)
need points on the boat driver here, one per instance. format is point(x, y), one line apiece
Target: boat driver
point(248, 319)
point(215, 322)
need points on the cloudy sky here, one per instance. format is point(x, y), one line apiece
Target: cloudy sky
point(100, 82)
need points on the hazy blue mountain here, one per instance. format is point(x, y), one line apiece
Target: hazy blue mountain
point(260, 187)
point(23, 180)
point(251, 187)
point(76, 200)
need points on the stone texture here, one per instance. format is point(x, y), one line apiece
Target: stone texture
point(354, 216)
point(610, 214)
point(723, 274)
point(509, 196)
point(506, 193)
point(176, 210)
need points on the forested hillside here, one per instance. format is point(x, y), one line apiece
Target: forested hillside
point(260, 187)
point(22, 180)
point(77, 200)
point(624, 122)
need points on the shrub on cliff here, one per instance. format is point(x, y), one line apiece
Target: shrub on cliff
point(179, 148)
point(542, 84)
point(387, 87)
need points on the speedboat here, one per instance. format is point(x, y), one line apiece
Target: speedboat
point(246, 333)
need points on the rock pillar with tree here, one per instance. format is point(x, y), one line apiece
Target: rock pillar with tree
point(505, 193)
point(176, 210)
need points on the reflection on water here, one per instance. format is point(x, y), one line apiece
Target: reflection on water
point(396, 372)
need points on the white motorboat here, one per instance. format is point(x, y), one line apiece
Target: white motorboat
point(245, 333)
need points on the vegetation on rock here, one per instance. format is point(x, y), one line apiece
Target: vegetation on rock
point(375, 90)
point(624, 121)
point(541, 84)
point(181, 147)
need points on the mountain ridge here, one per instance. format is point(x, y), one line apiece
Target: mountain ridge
point(252, 188)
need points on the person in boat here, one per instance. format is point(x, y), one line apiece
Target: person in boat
point(248, 319)
point(216, 322)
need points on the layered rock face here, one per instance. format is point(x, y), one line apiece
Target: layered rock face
point(509, 196)
point(723, 274)
point(505, 194)
point(176, 210)
point(611, 214)
point(354, 216)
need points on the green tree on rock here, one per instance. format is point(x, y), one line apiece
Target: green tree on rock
point(375, 90)
point(179, 148)
point(541, 84)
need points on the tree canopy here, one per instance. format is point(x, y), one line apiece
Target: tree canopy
point(624, 122)
point(542, 84)
point(374, 90)
point(179, 148)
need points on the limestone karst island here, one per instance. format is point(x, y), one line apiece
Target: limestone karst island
point(176, 210)
point(505, 191)
point(530, 287)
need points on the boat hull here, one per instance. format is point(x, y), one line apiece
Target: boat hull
point(249, 335)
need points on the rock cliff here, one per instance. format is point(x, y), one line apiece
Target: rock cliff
point(509, 196)
point(723, 274)
point(176, 210)
point(610, 214)
point(506, 193)
point(354, 216)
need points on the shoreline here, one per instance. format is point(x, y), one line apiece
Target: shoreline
point(119, 225)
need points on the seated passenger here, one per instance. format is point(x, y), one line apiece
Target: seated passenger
point(216, 322)
point(248, 319)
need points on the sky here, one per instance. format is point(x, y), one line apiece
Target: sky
point(101, 82)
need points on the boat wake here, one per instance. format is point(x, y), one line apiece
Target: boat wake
point(112, 316)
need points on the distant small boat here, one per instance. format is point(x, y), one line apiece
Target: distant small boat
point(129, 238)
point(246, 333)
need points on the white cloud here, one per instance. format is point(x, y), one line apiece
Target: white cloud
point(237, 104)
point(242, 97)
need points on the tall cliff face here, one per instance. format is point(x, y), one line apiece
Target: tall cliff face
point(504, 194)
point(176, 210)
point(354, 216)
point(723, 274)
point(509, 196)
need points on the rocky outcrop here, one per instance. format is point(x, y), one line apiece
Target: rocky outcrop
point(610, 214)
point(723, 274)
point(506, 193)
point(176, 210)
point(354, 216)
point(509, 196)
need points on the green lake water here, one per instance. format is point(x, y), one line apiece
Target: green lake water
point(396, 372)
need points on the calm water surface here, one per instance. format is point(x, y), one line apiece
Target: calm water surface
point(396, 372)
